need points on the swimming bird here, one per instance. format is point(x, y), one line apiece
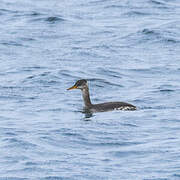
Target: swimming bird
point(108, 106)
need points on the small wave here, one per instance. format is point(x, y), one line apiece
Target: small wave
point(73, 134)
point(164, 91)
point(55, 178)
point(30, 163)
point(171, 40)
point(35, 13)
point(113, 6)
point(111, 84)
point(167, 90)
point(136, 13)
point(32, 68)
point(51, 19)
point(7, 11)
point(157, 2)
point(129, 125)
point(119, 154)
point(149, 32)
point(98, 2)
point(11, 43)
point(161, 5)
point(14, 142)
point(146, 70)
point(26, 14)
point(177, 175)
point(54, 19)
point(109, 73)
point(26, 39)
point(10, 134)
point(160, 35)
point(44, 78)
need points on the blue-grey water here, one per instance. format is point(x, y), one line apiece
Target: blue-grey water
point(128, 50)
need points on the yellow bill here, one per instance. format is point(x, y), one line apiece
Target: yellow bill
point(73, 87)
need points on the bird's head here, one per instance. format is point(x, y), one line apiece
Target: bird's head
point(80, 84)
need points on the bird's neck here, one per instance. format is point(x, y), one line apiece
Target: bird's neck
point(86, 97)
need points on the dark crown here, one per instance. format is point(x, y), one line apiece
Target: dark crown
point(81, 82)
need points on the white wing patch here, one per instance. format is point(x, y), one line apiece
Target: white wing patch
point(125, 108)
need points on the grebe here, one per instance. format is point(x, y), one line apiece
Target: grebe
point(108, 106)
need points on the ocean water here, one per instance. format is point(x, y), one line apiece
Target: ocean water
point(128, 51)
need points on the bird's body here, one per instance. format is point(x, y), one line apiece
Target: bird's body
point(108, 106)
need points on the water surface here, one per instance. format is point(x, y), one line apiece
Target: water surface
point(128, 51)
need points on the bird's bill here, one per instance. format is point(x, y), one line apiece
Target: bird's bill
point(73, 87)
